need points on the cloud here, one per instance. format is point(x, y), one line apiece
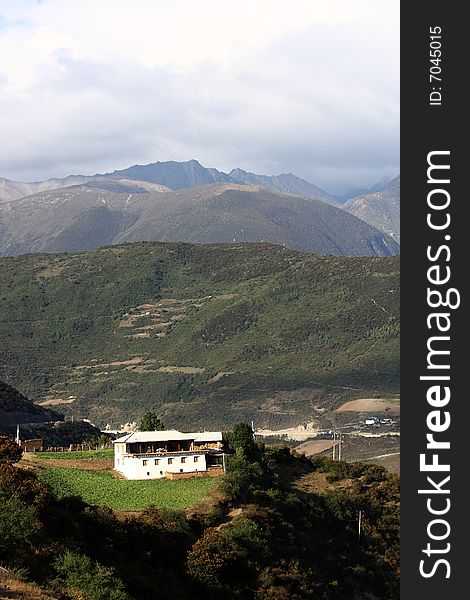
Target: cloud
point(272, 86)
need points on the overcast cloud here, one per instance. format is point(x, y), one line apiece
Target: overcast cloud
point(271, 86)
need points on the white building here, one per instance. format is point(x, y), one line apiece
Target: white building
point(156, 454)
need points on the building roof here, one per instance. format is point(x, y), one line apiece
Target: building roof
point(169, 436)
point(207, 436)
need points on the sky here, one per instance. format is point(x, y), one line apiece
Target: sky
point(270, 86)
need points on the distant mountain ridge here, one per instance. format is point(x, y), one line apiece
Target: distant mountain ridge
point(173, 175)
point(380, 209)
point(285, 183)
point(12, 190)
point(84, 217)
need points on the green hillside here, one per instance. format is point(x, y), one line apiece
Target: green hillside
point(206, 335)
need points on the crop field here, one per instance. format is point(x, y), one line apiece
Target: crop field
point(107, 454)
point(102, 489)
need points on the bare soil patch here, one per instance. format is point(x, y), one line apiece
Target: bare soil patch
point(174, 369)
point(374, 405)
point(155, 326)
point(145, 334)
point(299, 433)
point(117, 363)
point(313, 447)
point(55, 401)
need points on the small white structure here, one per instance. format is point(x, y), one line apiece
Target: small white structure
point(156, 454)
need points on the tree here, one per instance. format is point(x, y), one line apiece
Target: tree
point(242, 437)
point(10, 452)
point(244, 477)
point(102, 440)
point(150, 422)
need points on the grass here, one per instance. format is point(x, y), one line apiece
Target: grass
point(107, 454)
point(102, 489)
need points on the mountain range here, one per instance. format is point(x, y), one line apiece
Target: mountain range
point(184, 201)
point(172, 175)
point(111, 210)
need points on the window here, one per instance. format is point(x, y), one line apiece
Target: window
point(144, 462)
point(157, 461)
point(170, 461)
point(183, 459)
point(196, 459)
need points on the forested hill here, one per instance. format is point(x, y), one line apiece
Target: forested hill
point(206, 335)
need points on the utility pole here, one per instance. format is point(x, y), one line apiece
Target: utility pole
point(340, 445)
point(359, 525)
point(334, 445)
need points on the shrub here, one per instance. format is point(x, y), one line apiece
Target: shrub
point(18, 522)
point(209, 557)
point(220, 555)
point(23, 483)
point(243, 534)
point(86, 579)
point(10, 452)
point(166, 519)
point(243, 478)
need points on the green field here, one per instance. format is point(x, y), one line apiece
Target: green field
point(102, 489)
point(107, 454)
